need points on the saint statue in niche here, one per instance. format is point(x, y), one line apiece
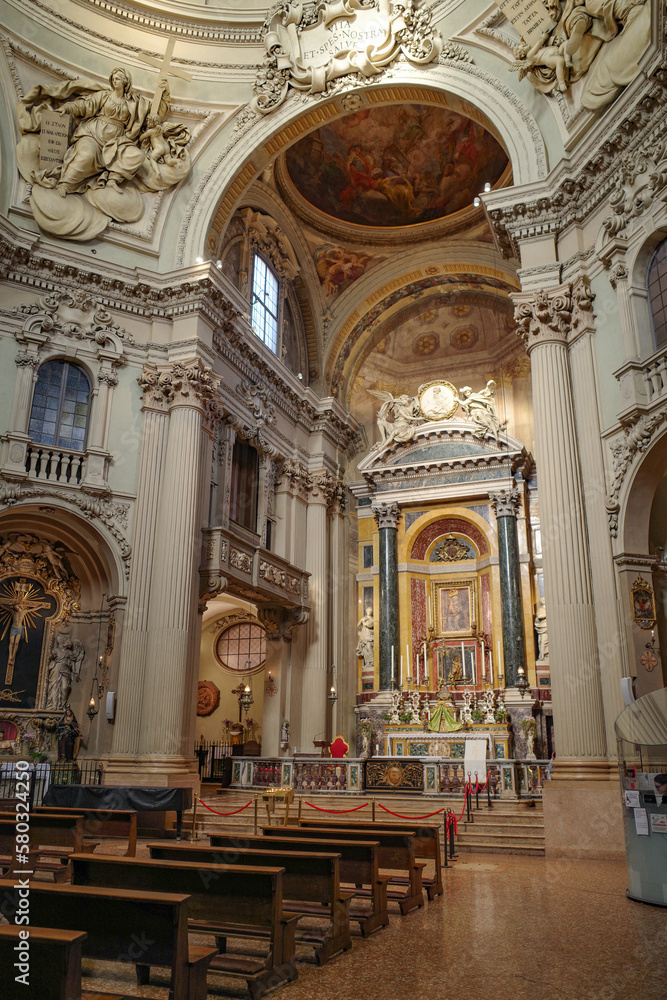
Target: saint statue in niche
point(365, 644)
point(66, 658)
point(68, 735)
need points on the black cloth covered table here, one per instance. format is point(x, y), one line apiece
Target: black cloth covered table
point(121, 797)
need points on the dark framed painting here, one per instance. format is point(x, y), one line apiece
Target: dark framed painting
point(643, 603)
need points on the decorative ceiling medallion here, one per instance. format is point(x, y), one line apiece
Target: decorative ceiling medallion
point(395, 165)
point(464, 338)
point(426, 345)
point(438, 400)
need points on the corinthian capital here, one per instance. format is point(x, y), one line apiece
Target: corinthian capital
point(387, 515)
point(181, 383)
point(505, 503)
point(322, 487)
point(543, 317)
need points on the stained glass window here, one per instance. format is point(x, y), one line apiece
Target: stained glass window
point(657, 291)
point(60, 406)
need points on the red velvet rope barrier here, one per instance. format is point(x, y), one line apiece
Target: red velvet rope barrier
point(401, 816)
point(232, 813)
point(353, 810)
point(480, 788)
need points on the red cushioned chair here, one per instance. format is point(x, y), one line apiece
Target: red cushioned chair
point(339, 747)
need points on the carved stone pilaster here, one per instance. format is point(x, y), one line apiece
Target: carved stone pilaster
point(293, 479)
point(505, 503)
point(387, 515)
point(618, 273)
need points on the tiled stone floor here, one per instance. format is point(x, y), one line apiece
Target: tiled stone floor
point(508, 928)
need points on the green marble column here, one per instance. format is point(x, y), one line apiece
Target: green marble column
point(505, 506)
point(387, 517)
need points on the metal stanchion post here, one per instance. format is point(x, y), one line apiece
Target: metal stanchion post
point(446, 832)
point(255, 813)
point(488, 793)
point(452, 827)
point(373, 806)
point(193, 835)
point(299, 815)
point(476, 791)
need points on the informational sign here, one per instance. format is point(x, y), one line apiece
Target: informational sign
point(53, 139)
point(658, 822)
point(632, 799)
point(530, 18)
point(641, 823)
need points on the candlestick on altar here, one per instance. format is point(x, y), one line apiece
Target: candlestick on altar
point(393, 671)
point(400, 676)
point(500, 659)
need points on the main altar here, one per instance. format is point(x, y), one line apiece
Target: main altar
point(452, 620)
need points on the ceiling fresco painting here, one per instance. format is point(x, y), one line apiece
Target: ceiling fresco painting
point(337, 267)
point(397, 165)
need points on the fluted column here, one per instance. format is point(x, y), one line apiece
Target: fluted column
point(505, 505)
point(315, 674)
point(16, 439)
point(612, 653)
point(135, 633)
point(544, 321)
point(387, 516)
point(190, 388)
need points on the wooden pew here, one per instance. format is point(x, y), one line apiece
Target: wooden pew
point(397, 854)
point(427, 843)
point(54, 963)
point(48, 834)
point(122, 926)
point(225, 900)
point(311, 884)
point(359, 866)
point(101, 823)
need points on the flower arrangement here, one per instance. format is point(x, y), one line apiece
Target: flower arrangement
point(366, 726)
point(500, 714)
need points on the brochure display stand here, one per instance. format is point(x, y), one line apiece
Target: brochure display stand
point(641, 731)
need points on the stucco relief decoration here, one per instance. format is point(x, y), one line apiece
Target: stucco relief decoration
point(74, 314)
point(599, 41)
point(308, 49)
point(208, 698)
point(89, 151)
point(258, 399)
point(640, 178)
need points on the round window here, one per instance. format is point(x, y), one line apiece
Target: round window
point(242, 647)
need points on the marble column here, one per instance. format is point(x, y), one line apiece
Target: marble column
point(316, 670)
point(339, 579)
point(387, 516)
point(544, 321)
point(505, 505)
point(135, 635)
point(190, 388)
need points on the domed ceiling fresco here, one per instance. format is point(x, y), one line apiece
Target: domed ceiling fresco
point(398, 165)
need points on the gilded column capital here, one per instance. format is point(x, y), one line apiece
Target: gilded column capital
point(505, 503)
point(387, 515)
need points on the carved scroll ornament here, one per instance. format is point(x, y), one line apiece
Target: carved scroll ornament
point(309, 49)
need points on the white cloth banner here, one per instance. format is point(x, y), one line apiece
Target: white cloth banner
point(475, 761)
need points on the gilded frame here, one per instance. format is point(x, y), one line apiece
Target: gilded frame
point(461, 621)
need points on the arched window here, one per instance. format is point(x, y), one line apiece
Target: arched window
point(265, 303)
point(657, 293)
point(60, 406)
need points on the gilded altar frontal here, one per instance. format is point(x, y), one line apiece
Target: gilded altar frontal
point(333, 446)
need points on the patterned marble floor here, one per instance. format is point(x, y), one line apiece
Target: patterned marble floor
point(507, 928)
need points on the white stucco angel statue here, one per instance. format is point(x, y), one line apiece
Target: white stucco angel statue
point(397, 418)
point(480, 407)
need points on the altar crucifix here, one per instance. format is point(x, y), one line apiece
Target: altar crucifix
point(18, 612)
point(165, 69)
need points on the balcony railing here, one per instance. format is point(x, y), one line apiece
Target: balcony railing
point(55, 465)
point(233, 556)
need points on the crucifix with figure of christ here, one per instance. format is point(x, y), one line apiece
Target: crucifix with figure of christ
point(18, 610)
point(165, 69)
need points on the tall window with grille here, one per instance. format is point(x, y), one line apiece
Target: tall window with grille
point(657, 293)
point(265, 303)
point(245, 485)
point(60, 406)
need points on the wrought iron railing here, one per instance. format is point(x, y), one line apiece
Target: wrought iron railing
point(43, 774)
